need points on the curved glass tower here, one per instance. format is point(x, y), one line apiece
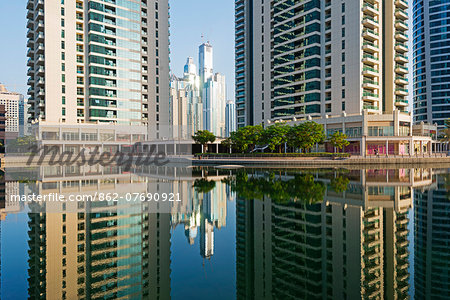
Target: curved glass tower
point(431, 61)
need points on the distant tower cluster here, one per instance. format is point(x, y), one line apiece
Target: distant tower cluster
point(198, 102)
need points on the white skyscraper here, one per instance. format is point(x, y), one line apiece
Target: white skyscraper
point(99, 61)
point(185, 103)
point(230, 117)
point(214, 102)
point(205, 57)
point(15, 115)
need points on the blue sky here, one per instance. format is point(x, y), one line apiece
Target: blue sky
point(189, 20)
point(13, 63)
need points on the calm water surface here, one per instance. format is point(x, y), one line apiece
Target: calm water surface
point(246, 233)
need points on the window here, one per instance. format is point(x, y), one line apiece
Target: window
point(63, 111)
point(343, 106)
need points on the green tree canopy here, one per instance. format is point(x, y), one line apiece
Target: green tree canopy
point(306, 135)
point(204, 185)
point(339, 140)
point(275, 136)
point(245, 138)
point(447, 130)
point(203, 137)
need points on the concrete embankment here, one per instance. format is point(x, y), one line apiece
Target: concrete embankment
point(443, 162)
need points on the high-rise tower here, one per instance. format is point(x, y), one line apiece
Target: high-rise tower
point(99, 61)
point(315, 58)
point(431, 62)
point(205, 57)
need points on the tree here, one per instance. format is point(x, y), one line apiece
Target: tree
point(339, 184)
point(306, 135)
point(203, 137)
point(228, 142)
point(204, 186)
point(339, 140)
point(275, 136)
point(447, 130)
point(245, 138)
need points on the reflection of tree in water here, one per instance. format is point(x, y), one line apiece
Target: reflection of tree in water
point(204, 186)
point(339, 184)
point(297, 188)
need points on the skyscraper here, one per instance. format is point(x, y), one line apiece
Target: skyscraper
point(15, 115)
point(431, 62)
point(205, 57)
point(296, 59)
point(230, 118)
point(185, 112)
point(94, 61)
point(214, 102)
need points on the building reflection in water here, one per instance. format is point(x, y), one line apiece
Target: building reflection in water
point(330, 234)
point(341, 234)
point(91, 250)
point(432, 240)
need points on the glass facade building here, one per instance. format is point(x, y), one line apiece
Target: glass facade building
point(296, 59)
point(98, 61)
point(431, 61)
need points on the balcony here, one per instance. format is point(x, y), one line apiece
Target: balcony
point(40, 37)
point(41, 81)
point(39, 48)
point(370, 34)
point(368, 71)
point(40, 71)
point(30, 33)
point(370, 106)
point(370, 22)
point(30, 14)
point(401, 102)
point(400, 36)
point(30, 4)
point(30, 53)
point(40, 93)
point(39, 15)
point(401, 14)
point(39, 4)
point(369, 96)
point(370, 84)
point(401, 92)
point(401, 4)
point(40, 26)
point(30, 72)
point(401, 25)
point(40, 59)
point(370, 47)
point(401, 47)
point(401, 58)
point(370, 59)
point(30, 81)
point(30, 62)
point(30, 43)
point(30, 24)
point(370, 9)
point(401, 80)
point(401, 69)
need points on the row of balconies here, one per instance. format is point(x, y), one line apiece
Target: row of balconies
point(401, 48)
